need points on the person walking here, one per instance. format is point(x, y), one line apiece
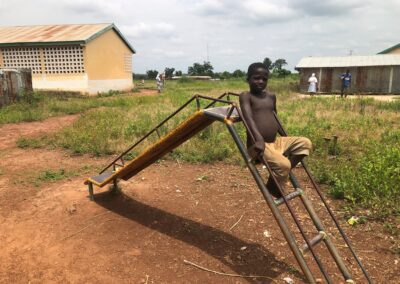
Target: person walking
point(313, 85)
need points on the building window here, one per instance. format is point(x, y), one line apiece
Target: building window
point(22, 57)
point(63, 60)
point(128, 63)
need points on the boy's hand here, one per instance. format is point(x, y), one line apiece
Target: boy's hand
point(259, 146)
point(256, 149)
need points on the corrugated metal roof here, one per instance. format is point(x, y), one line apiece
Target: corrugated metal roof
point(55, 34)
point(349, 61)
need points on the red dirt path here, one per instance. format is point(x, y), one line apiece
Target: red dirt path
point(171, 212)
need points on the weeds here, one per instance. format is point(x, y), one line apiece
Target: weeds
point(50, 175)
point(28, 143)
point(363, 168)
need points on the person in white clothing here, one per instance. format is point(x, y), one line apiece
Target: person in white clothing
point(313, 84)
point(160, 81)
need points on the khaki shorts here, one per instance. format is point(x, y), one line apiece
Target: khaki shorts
point(273, 154)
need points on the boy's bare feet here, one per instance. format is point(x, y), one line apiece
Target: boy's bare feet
point(273, 188)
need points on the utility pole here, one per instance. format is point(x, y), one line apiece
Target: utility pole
point(208, 58)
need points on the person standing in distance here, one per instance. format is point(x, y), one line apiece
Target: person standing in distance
point(313, 85)
point(346, 83)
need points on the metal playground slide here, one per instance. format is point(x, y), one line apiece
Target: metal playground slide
point(229, 113)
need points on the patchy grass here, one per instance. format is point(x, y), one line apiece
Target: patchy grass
point(363, 168)
point(24, 142)
point(50, 175)
point(41, 105)
point(53, 175)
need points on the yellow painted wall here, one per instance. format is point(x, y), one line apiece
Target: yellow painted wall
point(60, 82)
point(105, 57)
point(59, 77)
point(1, 59)
point(394, 51)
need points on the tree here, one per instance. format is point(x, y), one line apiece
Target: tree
point(226, 75)
point(238, 74)
point(278, 68)
point(205, 69)
point(279, 63)
point(268, 63)
point(178, 73)
point(151, 74)
point(139, 76)
point(169, 72)
point(283, 72)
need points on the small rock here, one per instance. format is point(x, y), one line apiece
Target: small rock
point(243, 248)
point(288, 280)
point(134, 252)
point(72, 208)
point(267, 234)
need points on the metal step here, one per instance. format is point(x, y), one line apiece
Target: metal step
point(314, 241)
point(288, 197)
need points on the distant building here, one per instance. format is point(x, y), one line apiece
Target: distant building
point(392, 50)
point(86, 58)
point(378, 74)
point(192, 77)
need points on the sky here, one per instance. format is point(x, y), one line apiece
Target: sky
point(230, 34)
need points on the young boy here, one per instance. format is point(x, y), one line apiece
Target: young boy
point(258, 105)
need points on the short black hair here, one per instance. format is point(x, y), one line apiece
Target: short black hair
point(253, 67)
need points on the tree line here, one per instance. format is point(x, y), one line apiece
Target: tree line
point(276, 69)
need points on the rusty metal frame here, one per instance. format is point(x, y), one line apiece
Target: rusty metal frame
point(297, 251)
point(308, 206)
point(196, 97)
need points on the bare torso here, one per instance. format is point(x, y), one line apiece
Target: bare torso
point(258, 112)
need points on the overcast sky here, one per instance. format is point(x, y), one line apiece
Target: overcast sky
point(230, 34)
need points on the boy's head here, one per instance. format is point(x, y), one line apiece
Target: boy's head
point(257, 76)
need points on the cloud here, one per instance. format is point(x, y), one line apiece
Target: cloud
point(326, 7)
point(271, 11)
point(211, 7)
point(147, 30)
point(100, 8)
point(263, 11)
point(168, 53)
point(253, 11)
point(176, 33)
point(229, 52)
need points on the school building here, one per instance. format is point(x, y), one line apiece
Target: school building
point(391, 50)
point(373, 74)
point(87, 58)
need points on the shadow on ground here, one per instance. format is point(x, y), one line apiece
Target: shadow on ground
point(224, 247)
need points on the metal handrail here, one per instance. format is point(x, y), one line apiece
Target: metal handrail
point(155, 129)
point(342, 233)
point(295, 219)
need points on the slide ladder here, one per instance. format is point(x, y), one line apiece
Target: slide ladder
point(229, 114)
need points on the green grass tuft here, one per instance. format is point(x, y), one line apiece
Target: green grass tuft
point(363, 169)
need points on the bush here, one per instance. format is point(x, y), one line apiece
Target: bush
point(372, 181)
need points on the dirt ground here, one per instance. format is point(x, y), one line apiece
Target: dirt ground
point(170, 214)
